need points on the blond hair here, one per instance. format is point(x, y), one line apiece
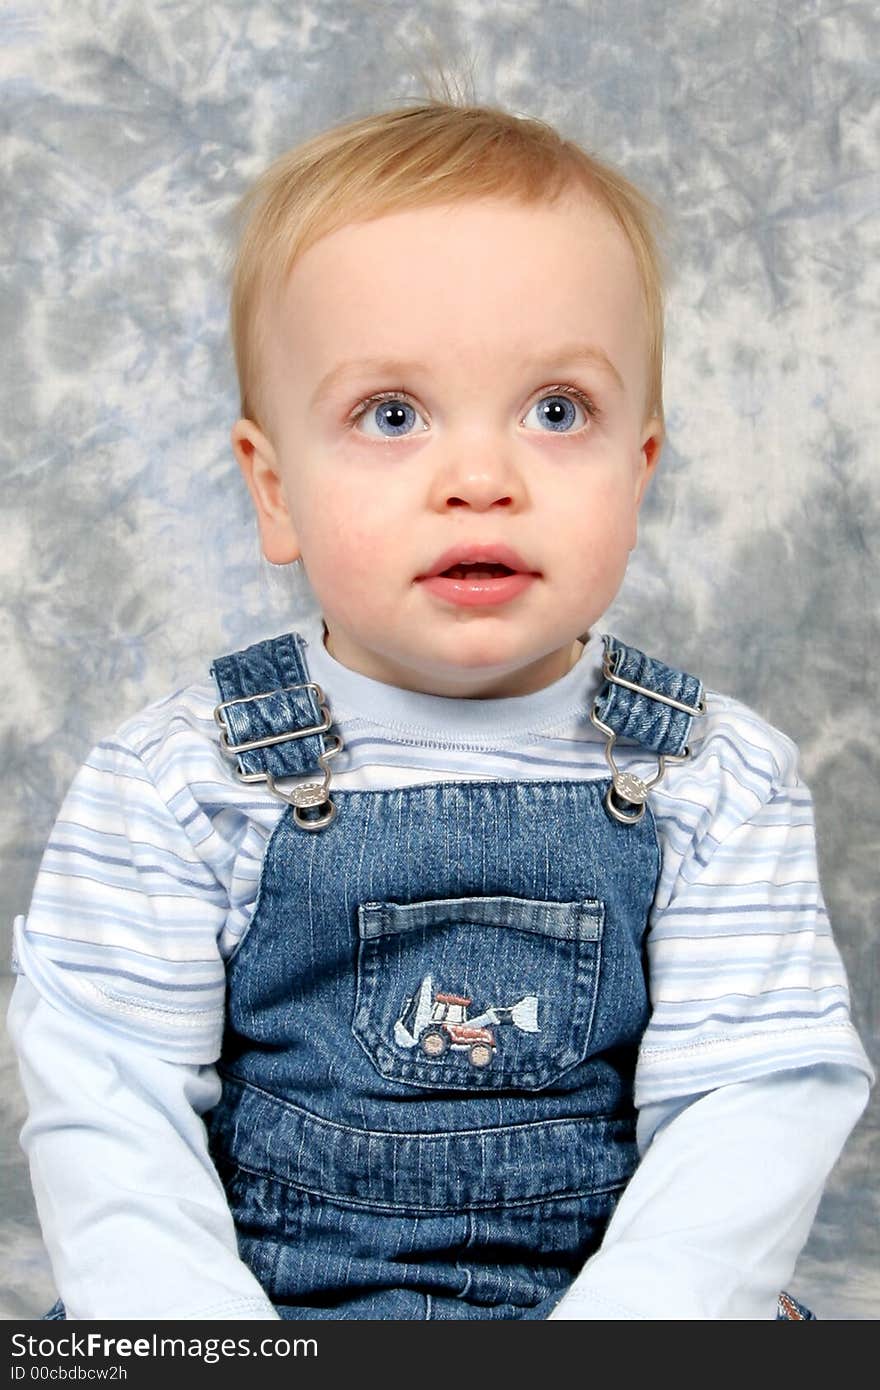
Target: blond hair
point(416, 156)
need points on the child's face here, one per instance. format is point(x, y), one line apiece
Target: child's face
point(479, 323)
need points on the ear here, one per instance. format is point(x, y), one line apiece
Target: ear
point(649, 455)
point(257, 460)
point(646, 461)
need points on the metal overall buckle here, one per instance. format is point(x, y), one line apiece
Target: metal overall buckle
point(306, 796)
point(627, 787)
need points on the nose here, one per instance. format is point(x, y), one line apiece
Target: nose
point(478, 474)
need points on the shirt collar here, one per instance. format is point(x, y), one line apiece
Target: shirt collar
point(353, 695)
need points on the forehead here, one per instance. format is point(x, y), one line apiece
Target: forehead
point(464, 285)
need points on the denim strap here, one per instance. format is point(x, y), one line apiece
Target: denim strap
point(262, 672)
point(261, 676)
point(635, 716)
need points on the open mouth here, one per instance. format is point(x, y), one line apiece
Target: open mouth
point(477, 571)
point(471, 581)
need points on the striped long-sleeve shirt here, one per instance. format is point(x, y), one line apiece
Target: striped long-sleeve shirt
point(149, 880)
point(150, 876)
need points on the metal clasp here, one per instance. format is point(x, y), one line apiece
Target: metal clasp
point(611, 676)
point(631, 790)
point(305, 796)
point(232, 749)
point(626, 786)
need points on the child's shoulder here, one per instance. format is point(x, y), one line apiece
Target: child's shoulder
point(730, 729)
point(176, 727)
point(728, 734)
point(738, 761)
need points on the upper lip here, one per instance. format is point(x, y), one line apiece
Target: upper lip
point(487, 553)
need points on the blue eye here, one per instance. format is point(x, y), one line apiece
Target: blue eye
point(388, 417)
point(558, 414)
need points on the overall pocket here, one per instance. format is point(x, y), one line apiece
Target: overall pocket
point(480, 993)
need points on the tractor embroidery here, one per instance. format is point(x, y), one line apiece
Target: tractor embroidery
point(438, 1023)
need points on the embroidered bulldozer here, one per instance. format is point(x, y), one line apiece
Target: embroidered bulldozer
point(439, 1022)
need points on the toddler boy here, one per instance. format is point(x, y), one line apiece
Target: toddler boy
point(445, 959)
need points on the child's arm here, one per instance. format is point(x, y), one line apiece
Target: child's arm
point(147, 878)
point(750, 1074)
point(133, 1214)
point(716, 1214)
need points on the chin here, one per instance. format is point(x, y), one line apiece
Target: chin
point(493, 668)
point(505, 645)
point(488, 657)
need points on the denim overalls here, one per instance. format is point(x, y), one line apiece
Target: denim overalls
point(434, 1017)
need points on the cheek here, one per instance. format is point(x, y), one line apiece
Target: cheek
point(602, 509)
point(340, 555)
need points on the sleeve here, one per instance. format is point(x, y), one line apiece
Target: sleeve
point(744, 974)
point(127, 911)
point(750, 1074)
point(117, 1022)
point(716, 1214)
point(133, 1214)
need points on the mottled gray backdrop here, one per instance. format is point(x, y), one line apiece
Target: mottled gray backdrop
point(127, 553)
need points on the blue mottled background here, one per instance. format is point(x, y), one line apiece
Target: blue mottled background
point(127, 553)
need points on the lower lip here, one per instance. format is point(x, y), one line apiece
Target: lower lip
point(478, 592)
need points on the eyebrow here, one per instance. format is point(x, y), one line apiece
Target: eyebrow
point(581, 353)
